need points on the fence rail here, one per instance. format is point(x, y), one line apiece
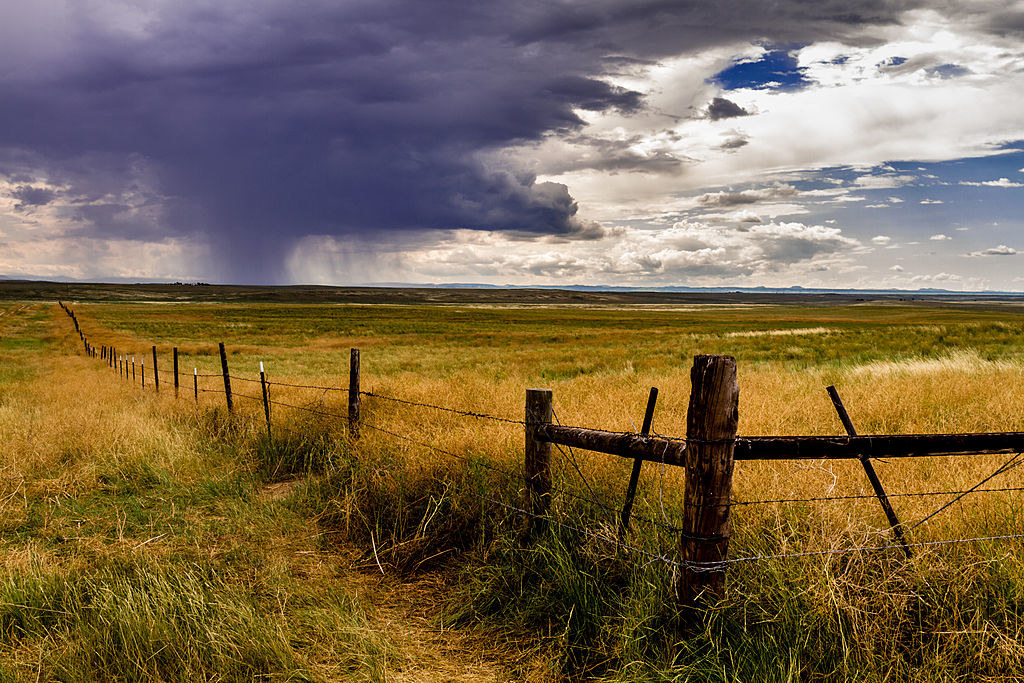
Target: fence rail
point(707, 454)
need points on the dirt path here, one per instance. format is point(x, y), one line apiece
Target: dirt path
point(407, 613)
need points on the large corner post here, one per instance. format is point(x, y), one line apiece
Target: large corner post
point(711, 423)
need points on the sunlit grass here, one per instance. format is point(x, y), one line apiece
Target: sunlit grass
point(137, 545)
point(949, 612)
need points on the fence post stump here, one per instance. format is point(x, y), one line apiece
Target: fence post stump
point(353, 395)
point(175, 372)
point(537, 467)
point(227, 378)
point(711, 433)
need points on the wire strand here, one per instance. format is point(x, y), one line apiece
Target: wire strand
point(466, 413)
point(1005, 467)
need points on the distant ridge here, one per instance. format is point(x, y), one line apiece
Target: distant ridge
point(463, 294)
point(792, 289)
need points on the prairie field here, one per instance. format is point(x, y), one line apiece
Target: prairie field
point(153, 536)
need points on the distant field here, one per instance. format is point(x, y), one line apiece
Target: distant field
point(901, 367)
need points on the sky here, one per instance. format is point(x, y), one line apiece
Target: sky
point(647, 143)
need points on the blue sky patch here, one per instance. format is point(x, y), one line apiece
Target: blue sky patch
point(776, 70)
point(947, 71)
point(893, 61)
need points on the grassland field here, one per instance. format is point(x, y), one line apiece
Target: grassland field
point(154, 538)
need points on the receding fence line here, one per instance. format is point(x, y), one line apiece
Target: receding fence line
point(707, 453)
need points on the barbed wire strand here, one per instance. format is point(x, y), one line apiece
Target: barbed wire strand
point(1013, 462)
point(572, 459)
point(839, 551)
point(466, 413)
point(517, 476)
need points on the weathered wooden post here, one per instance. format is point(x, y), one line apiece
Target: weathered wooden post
point(710, 441)
point(156, 373)
point(353, 395)
point(537, 469)
point(142, 372)
point(175, 372)
point(227, 378)
point(195, 383)
point(266, 399)
point(133, 368)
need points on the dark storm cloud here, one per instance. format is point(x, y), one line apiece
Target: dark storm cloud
point(32, 196)
point(721, 108)
point(252, 125)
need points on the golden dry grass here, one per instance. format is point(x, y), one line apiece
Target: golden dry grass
point(898, 371)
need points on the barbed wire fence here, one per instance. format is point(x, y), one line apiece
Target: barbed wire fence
point(691, 541)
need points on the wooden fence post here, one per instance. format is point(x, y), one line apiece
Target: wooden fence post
point(634, 475)
point(156, 373)
point(133, 368)
point(142, 372)
point(353, 394)
point(266, 399)
point(537, 467)
point(227, 379)
point(195, 383)
point(710, 441)
point(869, 469)
point(175, 372)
